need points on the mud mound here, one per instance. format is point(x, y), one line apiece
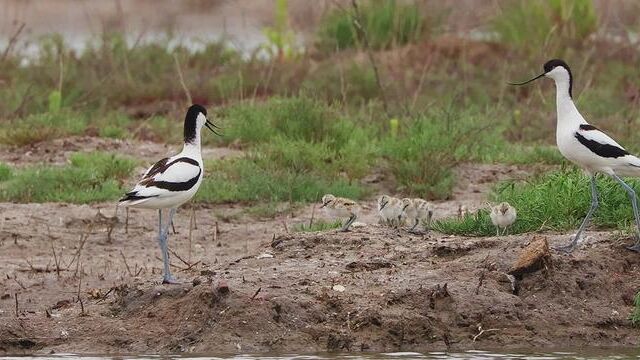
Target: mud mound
point(373, 288)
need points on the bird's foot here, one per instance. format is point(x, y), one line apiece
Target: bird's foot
point(635, 247)
point(344, 230)
point(567, 249)
point(168, 279)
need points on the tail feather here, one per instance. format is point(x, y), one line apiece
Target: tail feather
point(132, 198)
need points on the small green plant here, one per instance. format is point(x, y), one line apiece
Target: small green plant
point(386, 23)
point(317, 226)
point(89, 177)
point(546, 24)
point(5, 172)
point(635, 315)
point(424, 155)
point(281, 41)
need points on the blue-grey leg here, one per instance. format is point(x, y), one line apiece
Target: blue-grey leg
point(167, 278)
point(352, 218)
point(594, 205)
point(634, 204)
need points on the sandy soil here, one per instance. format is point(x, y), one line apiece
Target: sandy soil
point(254, 285)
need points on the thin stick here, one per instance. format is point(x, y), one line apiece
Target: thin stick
point(184, 86)
point(191, 221)
point(357, 23)
point(313, 212)
point(61, 74)
point(15, 278)
point(256, 293)
point(55, 257)
point(215, 233)
point(420, 83)
point(12, 41)
point(195, 219)
point(125, 263)
point(15, 295)
point(79, 298)
point(180, 258)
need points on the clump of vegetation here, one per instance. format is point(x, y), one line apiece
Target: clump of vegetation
point(44, 126)
point(635, 315)
point(90, 177)
point(557, 201)
point(255, 178)
point(386, 23)
point(317, 226)
point(546, 24)
point(424, 154)
point(281, 41)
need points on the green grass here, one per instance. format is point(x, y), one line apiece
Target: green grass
point(422, 157)
point(317, 226)
point(551, 25)
point(386, 23)
point(253, 179)
point(635, 315)
point(39, 127)
point(557, 201)
point(90, 177)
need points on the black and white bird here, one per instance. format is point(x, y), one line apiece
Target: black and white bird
point(586, 146)
point(172, 181)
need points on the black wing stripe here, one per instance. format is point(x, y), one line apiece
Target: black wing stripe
point(175, 186)
point(604, 150)
point(588, 127)
point(132, 196)
point(162, 165)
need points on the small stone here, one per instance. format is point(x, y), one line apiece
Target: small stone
point(222, 287)
point(264, 256)
point(339, 288)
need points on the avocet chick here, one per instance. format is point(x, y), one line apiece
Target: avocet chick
point(463, 211)
point(502, 216)
point(409, 212)
point(390, 210)
point(340, 207)
point(424, 212)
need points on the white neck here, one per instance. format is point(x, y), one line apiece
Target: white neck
point(193, 148)
point(567, 111)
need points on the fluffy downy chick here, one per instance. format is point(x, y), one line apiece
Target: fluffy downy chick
point(340, 208)
point(502, 216)
point(424, 211)
point(390, 210)
point(409, 213)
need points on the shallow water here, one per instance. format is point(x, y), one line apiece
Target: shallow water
point(471, 355)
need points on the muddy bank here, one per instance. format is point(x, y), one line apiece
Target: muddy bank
point(373, 289)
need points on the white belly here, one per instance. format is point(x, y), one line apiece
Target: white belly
point(171, 200)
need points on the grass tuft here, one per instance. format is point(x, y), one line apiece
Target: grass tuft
point(635, 314)
point(546, 24)
point(90, 177)
point(386, 23)
point(423, 157)
point(557, 201)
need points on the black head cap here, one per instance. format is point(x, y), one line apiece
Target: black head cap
point(191, 121)
point(552, 64)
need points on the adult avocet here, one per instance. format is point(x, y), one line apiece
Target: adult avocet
point(172, 181)
point(588, 147)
